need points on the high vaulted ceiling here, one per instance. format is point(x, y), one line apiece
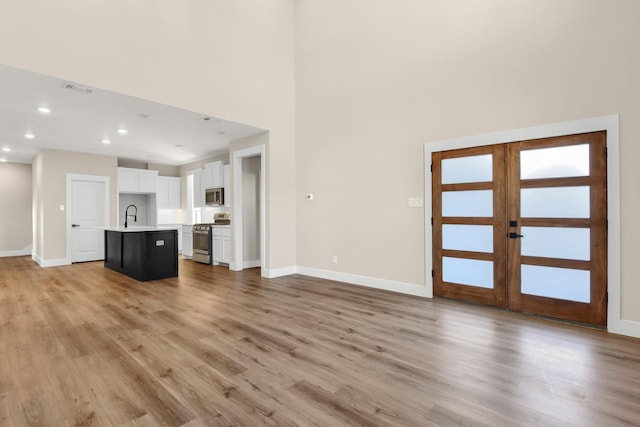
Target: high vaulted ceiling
point(82, 117)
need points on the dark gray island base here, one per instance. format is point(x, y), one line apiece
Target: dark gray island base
point(142, 254)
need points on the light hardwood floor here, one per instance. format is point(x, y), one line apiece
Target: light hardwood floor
point(83, 345)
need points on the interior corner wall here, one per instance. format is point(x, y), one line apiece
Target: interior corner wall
point(50, 190)
point(377, 80)
point(15, 209)
point(227, 59)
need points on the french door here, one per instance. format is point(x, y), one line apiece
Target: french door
point(523, 226)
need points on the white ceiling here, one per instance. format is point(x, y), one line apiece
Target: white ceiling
point(79, 121)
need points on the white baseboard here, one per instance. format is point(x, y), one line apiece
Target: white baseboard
point(371, 282)
point(50, 262)
point(251, 264)
point(279, 272)
point(625, 327)
point(21, 252)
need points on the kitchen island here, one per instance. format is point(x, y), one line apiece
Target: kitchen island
point(143, 253)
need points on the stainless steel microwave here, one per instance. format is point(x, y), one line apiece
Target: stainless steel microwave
point(214, 196)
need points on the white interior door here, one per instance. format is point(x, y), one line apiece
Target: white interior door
point(87, 204)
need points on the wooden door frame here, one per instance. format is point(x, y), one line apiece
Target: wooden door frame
point(610, 124)
point(94, 178)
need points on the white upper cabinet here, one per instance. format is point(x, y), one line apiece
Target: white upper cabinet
point(212, 175)
point(168, 194)
point(136, 180)
point(147, 182)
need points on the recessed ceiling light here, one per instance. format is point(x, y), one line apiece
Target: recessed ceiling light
point(179, 145)
point(221, 132)
point(6, 149)
point(106, 141)
point(145, 116)
point(2, 159)
point(122, 131)
point(44, 110)
point(29, 135)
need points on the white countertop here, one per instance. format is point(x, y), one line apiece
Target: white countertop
point(139, 228)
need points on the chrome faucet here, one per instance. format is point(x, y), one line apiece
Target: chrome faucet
point(126, 215)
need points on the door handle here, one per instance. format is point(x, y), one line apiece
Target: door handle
point(75, 225)
point(515, 235)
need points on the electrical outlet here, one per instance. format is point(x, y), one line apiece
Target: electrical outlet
point(416, 201)
point(335, 259)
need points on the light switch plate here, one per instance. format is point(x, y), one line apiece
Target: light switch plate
point(416, 201)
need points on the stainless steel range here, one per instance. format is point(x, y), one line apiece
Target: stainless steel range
point(202, 250)
point(202, 243)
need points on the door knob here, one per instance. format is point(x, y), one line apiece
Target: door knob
point(515, 235)
point(75, 225)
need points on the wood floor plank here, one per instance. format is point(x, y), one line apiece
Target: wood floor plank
point(84, 345)
point(335, 406)
point(209, 355)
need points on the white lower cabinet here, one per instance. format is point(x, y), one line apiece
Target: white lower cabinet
point(221, 244)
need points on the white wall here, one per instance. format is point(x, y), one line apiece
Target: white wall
point(15, 209)
point(50, 169)
point(375, 80)
point(228, 59)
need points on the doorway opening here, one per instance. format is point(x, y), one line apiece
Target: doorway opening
point(249, 242)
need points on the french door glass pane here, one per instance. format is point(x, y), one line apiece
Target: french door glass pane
point(470, 272)
point(475, 238)
point(472, 203)
point(467, 169)
point(552, 282)
point(555, 162)
point(556, 242)
point(554, 202)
